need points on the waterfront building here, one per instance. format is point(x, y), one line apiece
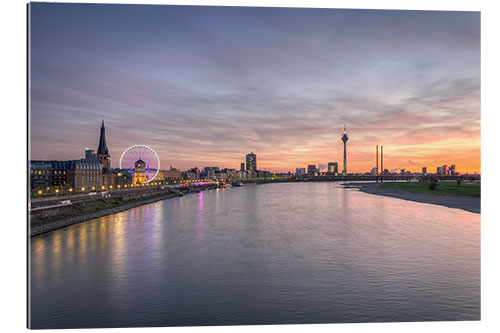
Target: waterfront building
point(229, 173)
point(140, 176)
point(172, 174)
point(263, 173)
point(108, 178)
point(311, 169)
point(116, 178)
point(59, 173)
point(160, 176)
point(103, 155)
point(40, 174)
point(333, 167)
point(123, 177)
point(84, 174)
point(300, 171)
point(241, 174)
point(209, 172)
point(191, 174)
point(402, 171)
point(211, 168)
point(251, 160)
point(424, 170)
point(344, 139)
point(439, 170)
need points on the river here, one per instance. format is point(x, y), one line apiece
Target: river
point(268, 254)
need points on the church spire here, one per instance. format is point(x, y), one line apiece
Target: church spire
point(102, 148)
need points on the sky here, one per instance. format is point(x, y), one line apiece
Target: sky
point(204, 86)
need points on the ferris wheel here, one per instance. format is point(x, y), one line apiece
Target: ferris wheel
point(133, 156)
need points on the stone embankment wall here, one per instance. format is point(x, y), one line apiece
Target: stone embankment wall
point(46, 220)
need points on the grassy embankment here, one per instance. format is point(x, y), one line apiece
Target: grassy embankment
point(443, 188)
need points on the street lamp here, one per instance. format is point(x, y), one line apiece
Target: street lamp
point(83, 189)
point(71, 190)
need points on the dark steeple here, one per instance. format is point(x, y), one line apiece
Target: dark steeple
point(103, 148)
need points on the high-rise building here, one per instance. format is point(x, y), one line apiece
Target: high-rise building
point(439, 170)
point(242, 168)
point(444, 170)
point(311, 169)
point(344, 139)
point(300, 171)
point(453, 172)
point(333, 167)
point(424, 170)
point(251, 162)
point(103, 155)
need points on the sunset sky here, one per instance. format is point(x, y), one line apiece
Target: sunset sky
point(204, 86)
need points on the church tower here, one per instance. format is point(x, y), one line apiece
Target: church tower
point(102, 151)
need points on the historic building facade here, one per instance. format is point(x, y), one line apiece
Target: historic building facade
point(84, 174)
point(40, 174)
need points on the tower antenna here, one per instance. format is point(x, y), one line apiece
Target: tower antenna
point(344, 139)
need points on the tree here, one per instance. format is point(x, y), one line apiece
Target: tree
point(433, 183)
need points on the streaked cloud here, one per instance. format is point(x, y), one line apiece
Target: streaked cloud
point(205, 85)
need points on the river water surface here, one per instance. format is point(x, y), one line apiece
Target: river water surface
point(268, 254)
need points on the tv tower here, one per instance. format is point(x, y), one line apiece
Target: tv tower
point(344, 139)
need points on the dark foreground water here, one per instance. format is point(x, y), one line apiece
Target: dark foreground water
point(267, 254)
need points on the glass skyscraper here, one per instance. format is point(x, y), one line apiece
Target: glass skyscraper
point(251, 162)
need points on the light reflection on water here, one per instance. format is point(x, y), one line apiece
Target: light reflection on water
point(280, 253)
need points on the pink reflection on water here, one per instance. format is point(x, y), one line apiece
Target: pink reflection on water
point(200, 225)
